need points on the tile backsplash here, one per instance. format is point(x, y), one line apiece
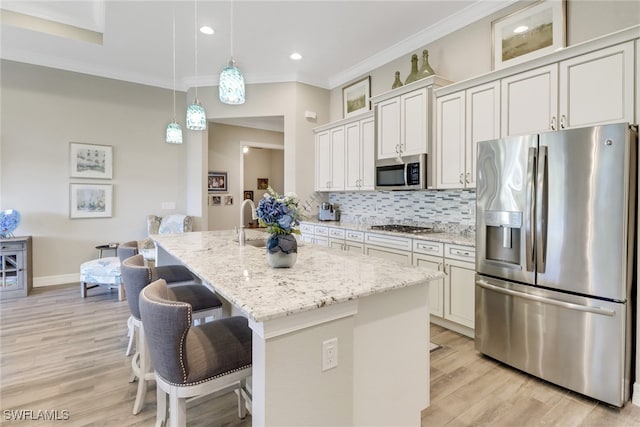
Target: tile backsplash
point(450, 210)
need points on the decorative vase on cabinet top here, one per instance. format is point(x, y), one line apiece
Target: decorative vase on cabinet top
point(413, 76)
point(282, 250)
point(425, 70)
point(397, 82)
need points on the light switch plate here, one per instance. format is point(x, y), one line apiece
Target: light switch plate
point(329, 354)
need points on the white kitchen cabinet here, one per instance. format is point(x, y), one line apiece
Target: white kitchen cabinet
point(459, 289)
point(314, 234)
point(462, 119)
point(395, 248)
point(354, 241)
point(388, 123)
point(360, 155)
point(330, 159)
point(597, 88)
point(585, 90)
point(530, 101)
point(436, 287)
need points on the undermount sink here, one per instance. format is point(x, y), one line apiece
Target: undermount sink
point(258, 243)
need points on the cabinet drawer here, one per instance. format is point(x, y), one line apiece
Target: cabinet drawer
point(306, 228)
point(338, 233)
point(386, 241)
point(428, 248)
point(319, 230)
point(321, 241)
point(354, 236)
point(463, 253)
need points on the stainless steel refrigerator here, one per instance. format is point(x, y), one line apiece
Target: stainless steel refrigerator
point(555, 255)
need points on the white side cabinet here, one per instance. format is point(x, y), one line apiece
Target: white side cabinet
point(344, 153)
point(360, 155)
point(462, 119)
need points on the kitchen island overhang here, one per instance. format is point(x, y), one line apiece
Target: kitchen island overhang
point(377, 309)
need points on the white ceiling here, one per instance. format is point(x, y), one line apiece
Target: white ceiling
point(339, 40)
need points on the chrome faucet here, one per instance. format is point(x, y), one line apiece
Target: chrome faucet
point(254, 215)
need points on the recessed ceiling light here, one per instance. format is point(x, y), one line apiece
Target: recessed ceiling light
point(206, 30)
point(295, 56)
point(520, 29)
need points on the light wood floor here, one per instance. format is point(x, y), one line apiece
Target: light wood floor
point(61, 352)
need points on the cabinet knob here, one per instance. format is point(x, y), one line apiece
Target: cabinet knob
point(468, 177)
point(563, 121)
point(553, 123)
point(461, 178)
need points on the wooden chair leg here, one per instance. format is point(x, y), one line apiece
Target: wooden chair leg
point(177, 410)
point(161, 405)
point(83, 289)
point(242, 406)
point(132, 336)
point(144, 369)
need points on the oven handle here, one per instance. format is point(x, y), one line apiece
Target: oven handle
point(563, 304)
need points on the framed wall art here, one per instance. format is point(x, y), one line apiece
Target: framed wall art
point(248, 194)
point(217, 181)
point(228, 200)
point(529, 33)
point(215, 200)
point(263, 183)
point(356, 97)
point(91, 161)
point(90, 200)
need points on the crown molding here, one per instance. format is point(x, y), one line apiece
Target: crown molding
point(469, 15)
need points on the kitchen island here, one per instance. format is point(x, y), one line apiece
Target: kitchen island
point(376, 310)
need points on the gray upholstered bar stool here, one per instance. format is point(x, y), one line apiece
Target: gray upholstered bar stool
point(136, 276)
point(127, 250)
point(192, 361)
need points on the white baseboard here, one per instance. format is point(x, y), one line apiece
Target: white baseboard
point(60, 279)
point(636, 394)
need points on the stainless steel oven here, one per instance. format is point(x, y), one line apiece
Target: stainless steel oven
point(406, 173)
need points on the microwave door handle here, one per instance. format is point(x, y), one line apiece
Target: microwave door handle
point(530, 208)
point(541, 210)
point(406, 174)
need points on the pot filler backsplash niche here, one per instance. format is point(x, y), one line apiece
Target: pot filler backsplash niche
point(449, 210)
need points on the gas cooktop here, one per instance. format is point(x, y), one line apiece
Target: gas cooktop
point(404, 228)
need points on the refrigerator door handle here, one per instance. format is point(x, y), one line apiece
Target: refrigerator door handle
point(530, 208)
point(541, 210)
point(568, 305)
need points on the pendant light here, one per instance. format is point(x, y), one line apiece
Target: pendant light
point(231, 85)
point(174, 130)
point(196, 116)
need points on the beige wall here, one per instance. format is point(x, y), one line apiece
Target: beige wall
point(225, 147)
point(466, 53)
point(42, 111)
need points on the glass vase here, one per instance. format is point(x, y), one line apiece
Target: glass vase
point(425, 70)
point(413, 76)
point(397, 82)
point(282, 250)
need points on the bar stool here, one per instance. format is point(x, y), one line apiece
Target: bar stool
point(184, 286)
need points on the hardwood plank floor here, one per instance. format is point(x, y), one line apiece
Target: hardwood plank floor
point(59, 352)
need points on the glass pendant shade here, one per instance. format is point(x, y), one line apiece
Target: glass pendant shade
point(196, 116)
point(231, 86)
point(174, 133)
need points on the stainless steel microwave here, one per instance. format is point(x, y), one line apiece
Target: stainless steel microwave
point(406, 173)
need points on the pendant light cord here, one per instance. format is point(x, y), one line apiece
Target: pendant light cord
point(173, 16)
point(231, 37)
point(195, 38)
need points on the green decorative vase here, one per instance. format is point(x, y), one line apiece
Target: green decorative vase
point(425, 70)
point(282, 250)
point(397, 82)
point(413, 76)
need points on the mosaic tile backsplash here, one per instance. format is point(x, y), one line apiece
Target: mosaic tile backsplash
point(449, 210)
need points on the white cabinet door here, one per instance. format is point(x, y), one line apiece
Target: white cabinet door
point(597, 87)
point(337, 158)
point(388, 253)
point(353, 247)
point(413, 129)
point(368, 154)
point(353, 156)
point(459, 292)
point(336, 244)
point(450, 140)
point(323, 161)
point(482, 124)
point(530, 101)
point(388, 115)
point(436, 287)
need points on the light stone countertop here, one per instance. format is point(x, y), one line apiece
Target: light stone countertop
point(442, 237)
point(321, 276)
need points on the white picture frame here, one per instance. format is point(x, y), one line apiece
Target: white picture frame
point(91, 160)
point(90, 200)
point(356, 98)
point(529, 33)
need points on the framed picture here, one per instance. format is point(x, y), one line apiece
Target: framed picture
point(215, 200)
point(90, 200)
point(228, 200)
point(91, 161)
point(263, 183)
point(248, 195)
point(217, 181)
point(355, 97)
point(528, 33)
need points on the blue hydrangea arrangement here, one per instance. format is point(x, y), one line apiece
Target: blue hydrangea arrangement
point(280, 214)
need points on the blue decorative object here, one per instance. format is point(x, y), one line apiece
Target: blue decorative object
point(196, 116)
point(231, 86)
point(280, 214)
point(282, 250)
point(9, 221)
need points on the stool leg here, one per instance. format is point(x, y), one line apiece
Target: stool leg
point(132, 336)
point(161, 407)
point(144, 367)
point(83, 289)
point(121, 292)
